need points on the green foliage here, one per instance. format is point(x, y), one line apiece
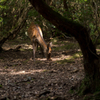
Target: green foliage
point(11, 11)
point(2, 1)
point(32, 12)
point(81, 11)
point(0, 86)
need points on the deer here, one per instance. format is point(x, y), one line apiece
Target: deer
point(36, 36)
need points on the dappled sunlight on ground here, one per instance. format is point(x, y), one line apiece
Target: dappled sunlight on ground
point(26, 72)
point(6, 46)
point(22, 78)
point(23, 72)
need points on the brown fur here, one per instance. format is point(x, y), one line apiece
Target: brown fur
point(35, 34)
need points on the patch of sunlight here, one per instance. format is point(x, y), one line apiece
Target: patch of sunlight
point(41, 59)
point(98, 50)
point(66, 41)
point(23, 72)
point(56, 59)
point(27, 72)
point(67, 59)
point(26, 46)
point(22, 49)
point(23, 46)
point(77, 55)
point(54, 40)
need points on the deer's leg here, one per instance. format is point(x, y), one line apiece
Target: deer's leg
point(42, 51)
point(34, 44)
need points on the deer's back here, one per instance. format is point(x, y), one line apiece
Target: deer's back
point(34, 31)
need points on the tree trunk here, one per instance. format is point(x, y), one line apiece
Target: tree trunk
point(91, 59)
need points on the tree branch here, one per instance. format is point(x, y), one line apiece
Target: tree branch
point(75, 29)
point(55, 18)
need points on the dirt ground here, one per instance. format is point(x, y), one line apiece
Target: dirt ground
point(23, 79)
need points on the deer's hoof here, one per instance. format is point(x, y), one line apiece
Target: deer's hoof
point(49, 59)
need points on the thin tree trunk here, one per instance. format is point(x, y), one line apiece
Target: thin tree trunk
point(21, 21)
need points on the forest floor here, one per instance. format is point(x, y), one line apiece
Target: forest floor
point(23, 79)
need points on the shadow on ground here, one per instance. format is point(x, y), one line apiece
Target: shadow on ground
point(23, 79)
